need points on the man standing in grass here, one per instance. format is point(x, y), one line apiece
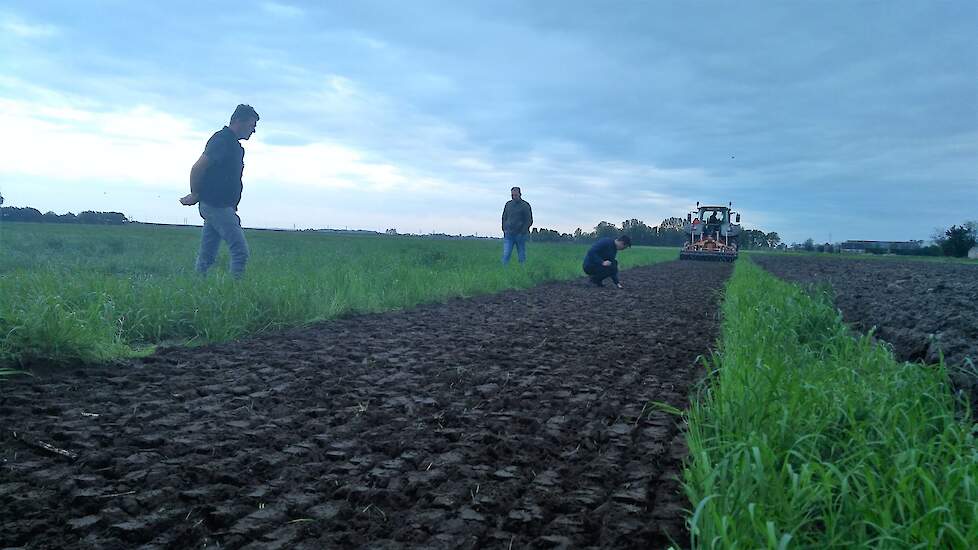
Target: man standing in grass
point(600, 262)
point(215, 183)
point(517, 219)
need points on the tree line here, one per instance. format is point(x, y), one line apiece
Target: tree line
point(668, 233)
point(28, 214)
point(954, 242)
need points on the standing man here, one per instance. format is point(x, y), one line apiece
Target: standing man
point(600, 262)
point(215, 183)
point(517, 219)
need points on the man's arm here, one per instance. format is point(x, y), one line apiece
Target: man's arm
point(529, 214)
point(196, 175)
point(504, 217)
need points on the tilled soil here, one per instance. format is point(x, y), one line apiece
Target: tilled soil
point(515, 420)
point(922, 309)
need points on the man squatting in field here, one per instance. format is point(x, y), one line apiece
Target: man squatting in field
point(517, 219)
point(600, 262)
point(215, 183)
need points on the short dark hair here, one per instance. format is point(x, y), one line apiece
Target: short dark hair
point(625, 239)
point(244, 112)
point(515, 189)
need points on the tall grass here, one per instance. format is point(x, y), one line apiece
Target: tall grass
point(807, 437)
point(92, 293)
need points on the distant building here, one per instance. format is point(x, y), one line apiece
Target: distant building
point(973, 253)
point(860, 247)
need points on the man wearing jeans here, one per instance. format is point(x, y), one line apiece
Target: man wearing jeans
point(215, 183)
point(517, 219)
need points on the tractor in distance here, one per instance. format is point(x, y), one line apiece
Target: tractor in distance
point(713, 234)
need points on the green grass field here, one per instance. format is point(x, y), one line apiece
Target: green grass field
point(807, 437)
point(94, 293)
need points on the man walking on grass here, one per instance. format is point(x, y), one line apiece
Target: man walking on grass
point(215, 183)
point(600, 262)
point(517, 219)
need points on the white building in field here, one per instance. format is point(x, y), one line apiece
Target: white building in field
point(973, 253)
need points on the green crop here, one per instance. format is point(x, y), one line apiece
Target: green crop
point(807, 436)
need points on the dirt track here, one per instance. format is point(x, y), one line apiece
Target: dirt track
point(921, 308)
point(513, 420)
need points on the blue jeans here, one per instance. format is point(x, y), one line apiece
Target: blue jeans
point(221, 224)
point(519, 241)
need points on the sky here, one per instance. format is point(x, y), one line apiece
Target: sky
point(827, 120)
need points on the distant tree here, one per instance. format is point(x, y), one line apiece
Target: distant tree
point(958, 241)
point(670, 237)
point(15, 214)
point(638, 232)
point(606, 229)
point(672, 223)
point(753, 238)
point(809, 245)
point(87, 216)
point(972, 227)
point(102, 218)
point(773, 239)
point(549, 235)
point(391, 231)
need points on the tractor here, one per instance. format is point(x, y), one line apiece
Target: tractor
point(712, 234)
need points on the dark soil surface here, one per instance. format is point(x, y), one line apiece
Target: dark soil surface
point(920, 308)
point(510, 421)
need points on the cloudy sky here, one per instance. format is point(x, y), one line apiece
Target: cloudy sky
point(841, 120)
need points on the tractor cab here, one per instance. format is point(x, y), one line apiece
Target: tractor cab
point(713, 214)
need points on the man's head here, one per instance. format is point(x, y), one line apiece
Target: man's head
point(243, 121)
point(515, 193)
point(623, 242)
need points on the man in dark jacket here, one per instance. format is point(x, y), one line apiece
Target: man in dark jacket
point(215, 183)
point(517, 219)
point(600, 262)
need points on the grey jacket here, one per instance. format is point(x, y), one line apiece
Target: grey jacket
point(517, 217)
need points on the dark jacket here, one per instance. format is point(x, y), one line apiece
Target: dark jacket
point(603, 249)
point(517, 217)
point(221, 183)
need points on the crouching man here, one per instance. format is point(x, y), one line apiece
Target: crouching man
point(600, 262)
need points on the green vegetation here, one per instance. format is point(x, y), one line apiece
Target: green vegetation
point(94, 293)
point(807, 437)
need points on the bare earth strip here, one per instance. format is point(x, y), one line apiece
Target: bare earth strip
point(923, 309)
point(513, 420)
